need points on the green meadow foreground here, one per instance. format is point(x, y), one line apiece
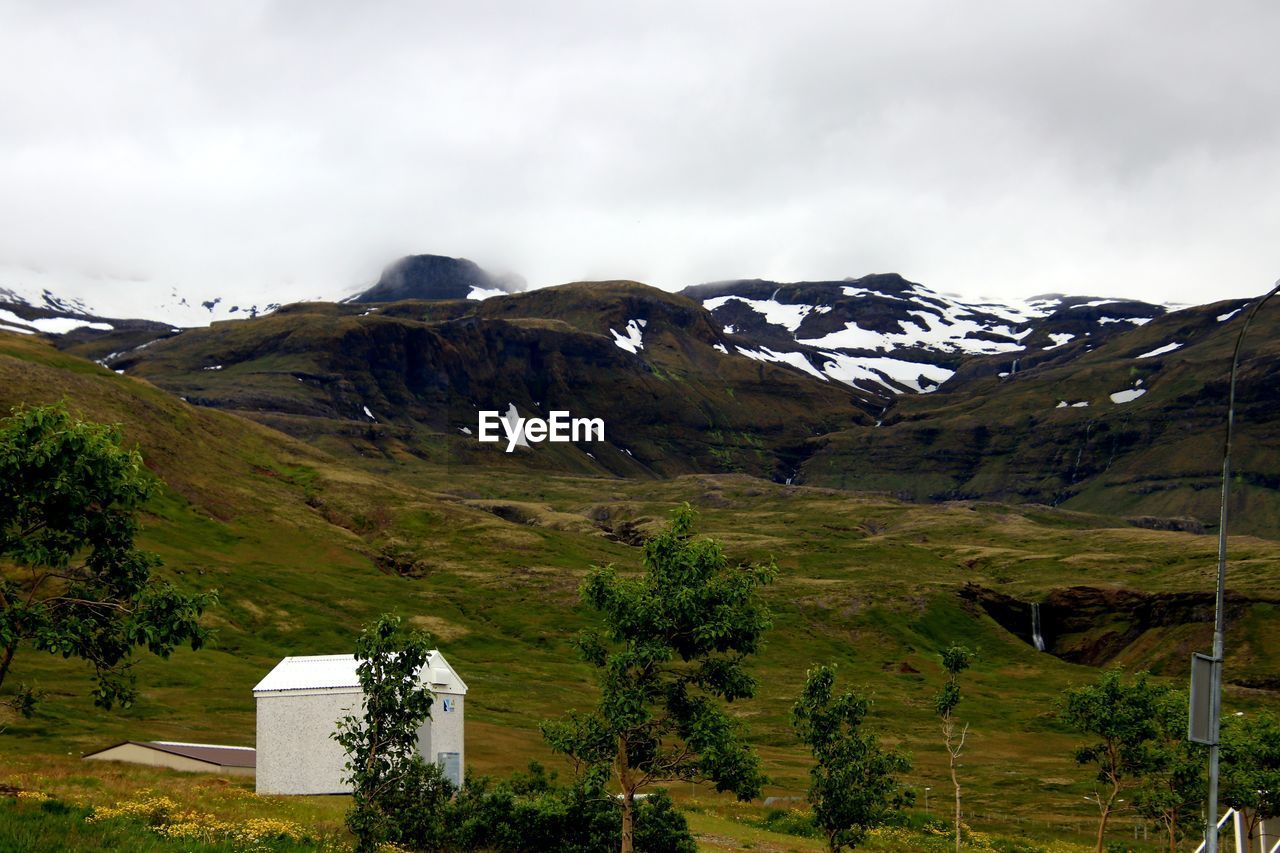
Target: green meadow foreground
point(304, 547)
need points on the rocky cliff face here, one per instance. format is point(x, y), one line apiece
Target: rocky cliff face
point(1104, 626)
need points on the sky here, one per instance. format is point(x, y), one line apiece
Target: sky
point(282, 150)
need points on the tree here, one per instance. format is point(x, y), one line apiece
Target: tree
point(1250, 768)
point(676, 640)
point(955, 660)
point(397, 797)
point(76, 585)
point(1122, 716)
point(1173, 786)
point(852, 784)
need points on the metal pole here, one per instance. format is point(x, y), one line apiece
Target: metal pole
point(1219, 617)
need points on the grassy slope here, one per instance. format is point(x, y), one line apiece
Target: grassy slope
point(286, 533)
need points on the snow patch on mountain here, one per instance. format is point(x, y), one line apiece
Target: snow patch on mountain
point(777, 313)
point(1059, 339)
point(1161, 350)
point(1137, 321)
point(632, 341)
point(949, 333)
point(853, 370)
point(49, 325)
point(1128, 395)
point(794, 359)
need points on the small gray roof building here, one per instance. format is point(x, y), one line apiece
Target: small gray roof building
point(177, 755)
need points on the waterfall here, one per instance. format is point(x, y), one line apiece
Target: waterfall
point(1036, 638)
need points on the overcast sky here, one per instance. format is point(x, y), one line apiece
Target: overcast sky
point(983, 148)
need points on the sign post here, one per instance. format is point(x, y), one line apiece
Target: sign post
point(1202, 721)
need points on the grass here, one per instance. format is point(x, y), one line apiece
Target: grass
point(218, 816)
point(290, 536)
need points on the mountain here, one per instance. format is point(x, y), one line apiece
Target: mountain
point(436, 277)
point(1131, 426)
point(408, 379)
point(38, 301)
point(74, 300)
point(876, 383)
point(882, 333)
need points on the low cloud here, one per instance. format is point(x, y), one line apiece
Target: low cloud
point(989, 148)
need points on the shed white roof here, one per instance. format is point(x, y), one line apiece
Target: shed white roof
point(337, 673)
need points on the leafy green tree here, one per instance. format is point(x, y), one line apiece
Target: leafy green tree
point(397, 797)
point(1121, 716)
point(676, 641)
point(955, 660)
point(1173, 786)
point(71, 581)
point(1250, 767)
point(853, 785)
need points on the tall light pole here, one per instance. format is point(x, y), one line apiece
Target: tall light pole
point(1219, 617)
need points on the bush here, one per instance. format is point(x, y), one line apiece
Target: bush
point(790, 822)
point(660, 827)
point(527, 811)
point(413, 813)
point(530, 812)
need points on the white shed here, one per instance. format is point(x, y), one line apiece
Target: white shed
point(300, 702)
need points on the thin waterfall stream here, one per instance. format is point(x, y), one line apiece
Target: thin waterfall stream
point(1036, 637)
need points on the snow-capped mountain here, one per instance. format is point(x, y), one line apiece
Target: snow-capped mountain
point(880, 334)
point(883, 333)
point(34, 300)
point(58, 302)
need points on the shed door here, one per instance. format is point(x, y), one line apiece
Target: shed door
point(451, 764)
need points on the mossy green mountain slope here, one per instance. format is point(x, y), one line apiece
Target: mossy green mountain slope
point(407, 380)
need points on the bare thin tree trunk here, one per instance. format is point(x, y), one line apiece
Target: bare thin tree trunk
point(1106, 813)
point(953, 754)
point(1102, 827)
point(8, 659)
point(628, 798)
point(955, 780)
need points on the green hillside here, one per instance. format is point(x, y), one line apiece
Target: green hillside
point(304, 546)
